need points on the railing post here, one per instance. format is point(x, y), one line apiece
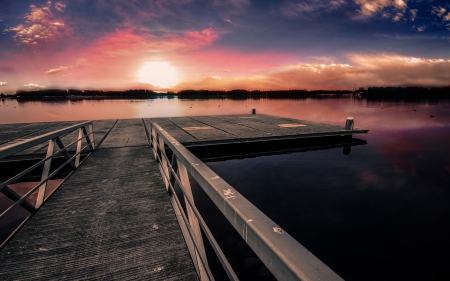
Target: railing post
point(163, 164)
point(153, 143)
point(88, 139)
point(80, 139)
point(66, 154)
point(91, 136)
point(184, 178)
point(45, 172)
point(181, 221)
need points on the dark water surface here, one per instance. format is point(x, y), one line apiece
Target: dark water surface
point(380, 213)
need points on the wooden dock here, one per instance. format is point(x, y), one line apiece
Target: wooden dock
point(227, 129)
point(112, 218)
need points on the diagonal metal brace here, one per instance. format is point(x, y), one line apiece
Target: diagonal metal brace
point(11, 194)
point(66, 154)
point(88, 139)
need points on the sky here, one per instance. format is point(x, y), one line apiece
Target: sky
point(224, 45)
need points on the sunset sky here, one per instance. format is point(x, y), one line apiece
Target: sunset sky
point(219, 44)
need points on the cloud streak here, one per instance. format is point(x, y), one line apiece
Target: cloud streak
point(307, 8)
point(60, 69)
point(57, 70)
point(34, 86)
point(362, 71)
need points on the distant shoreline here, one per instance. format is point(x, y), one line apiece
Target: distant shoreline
point(369, 93)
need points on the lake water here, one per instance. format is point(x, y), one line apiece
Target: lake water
point(379, 213)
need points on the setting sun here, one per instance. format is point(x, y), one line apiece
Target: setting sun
point(158, 73)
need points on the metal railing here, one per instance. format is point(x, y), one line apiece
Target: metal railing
point(54, 140)
point(282, 255)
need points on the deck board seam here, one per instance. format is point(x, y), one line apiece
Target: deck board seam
point(216, 128)
point(181, 129)
point(241, 125)
point(106, 135)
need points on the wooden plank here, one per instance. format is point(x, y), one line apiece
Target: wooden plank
point(127, 132)
point(271, 124)
point(111, 219)
point(201, 135)
point(175, 131)
point(232, 128)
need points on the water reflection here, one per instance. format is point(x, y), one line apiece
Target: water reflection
point(372, 215)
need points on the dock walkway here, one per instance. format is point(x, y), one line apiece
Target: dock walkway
point(110, 220)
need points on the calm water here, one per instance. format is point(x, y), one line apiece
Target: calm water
point(380, 213)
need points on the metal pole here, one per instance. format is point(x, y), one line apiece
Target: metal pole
point(183, 175)
point(163, 163)
point(45, 172)
point(80, 136)
point(91, 136)
point(281, 253)
point(65, 153)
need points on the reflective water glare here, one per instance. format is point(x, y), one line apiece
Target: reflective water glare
point(380, 213)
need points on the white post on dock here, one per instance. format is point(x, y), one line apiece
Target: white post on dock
point(253, 111)
point(349, 123)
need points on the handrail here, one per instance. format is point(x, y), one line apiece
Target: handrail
point(54, 139)
point(24, 172)
point(226, 265)
point(17, 147)
point(286, 258)
point(24, 197)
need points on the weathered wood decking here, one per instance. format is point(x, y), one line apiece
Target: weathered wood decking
point(223, 129)
point(112, 219)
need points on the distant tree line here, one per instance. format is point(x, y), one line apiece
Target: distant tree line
point(371, 92)
point(56, 93)
point(258, 93)
point(406, 93)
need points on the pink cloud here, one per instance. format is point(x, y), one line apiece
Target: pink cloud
point(117, 56)
point(237, 63)
point(205, 37)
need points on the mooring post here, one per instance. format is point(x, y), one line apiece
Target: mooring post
point(253, 111)
point(349, 123)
